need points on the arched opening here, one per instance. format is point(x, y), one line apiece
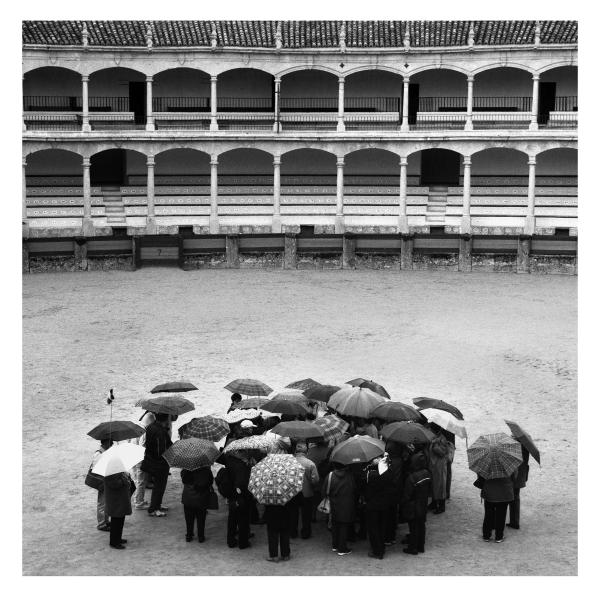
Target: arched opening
point(436, 90)
point(502, 89)
point(54, 168)
point(182, 166)
point(245, 167)
point(52, 89)
point(181, 90)
point(245, 90)
point(558, 102)
point(114, 168)
point(372, 168)
point(437, 167)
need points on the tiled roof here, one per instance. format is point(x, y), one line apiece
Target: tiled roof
point(298, 34)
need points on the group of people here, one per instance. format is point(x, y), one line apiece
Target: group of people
point(366, 501)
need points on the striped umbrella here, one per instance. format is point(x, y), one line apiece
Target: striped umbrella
point(333, 427)
point(249, 387)
point(494, 455)
point(285, 407)
point(371, 385)
point(169, 405)
point(355, 401)
point(206, 428)
point(252, 402)
point(298, 430)
point(276, 479)
point(174, 386)
point(358, 449)
point(321, 393)
point(446, 421)
point(191, 454)
point(407, 433)
point(396, 411)
point(237, 415)
point(303, 384)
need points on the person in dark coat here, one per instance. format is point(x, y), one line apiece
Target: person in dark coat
point(496, 494)
point(117, 502)
point(279, 524)
point(451, 448)
point(342, 496)
point(415, 495)
point(439, 451)
point(520, 481)
point(157, 441)
point(195, 497)
point(396, 467)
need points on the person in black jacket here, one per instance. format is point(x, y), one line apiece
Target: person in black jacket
point(195, 497)
point(279, 524)
point(520, 481)
point(496, 494)
point(396, 466)
point(415, 495)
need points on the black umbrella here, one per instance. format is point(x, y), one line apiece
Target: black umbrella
point(285, 407)
point(174, 387)
point(396, 411)
point(407, 433)
point(524, 439)
point(367, 383)
point(321, 393)
point(117, 431)
point(298, 430)
point(170, 405)
point(423, 402)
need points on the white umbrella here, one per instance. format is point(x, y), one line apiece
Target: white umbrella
point(446, 421)
point(119, 458)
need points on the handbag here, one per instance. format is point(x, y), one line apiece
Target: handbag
point(94, 480)
point(325, 504)
point(213, 500)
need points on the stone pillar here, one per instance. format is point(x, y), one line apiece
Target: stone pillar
point(85, 118)
point(404, 126)
point(530, 218)
point(88, 224)
point(464, 253)
point(469, 121)
point(232, 245)
point(465, 223)
point(349, 252)
point(214, 126)
point(534, 102)
point(276, 124)
point(151, 217)
point(25, 266)
point(24, 217)
point(402, 215)
point(290, 251)
point(149, 115)
point(407, 243)
point(523, 250)
point(339, 207)
point(341, 125)
point(276, 223)
point(214, 195)
point(180, 252)
point(80, 254)
point(136, 252)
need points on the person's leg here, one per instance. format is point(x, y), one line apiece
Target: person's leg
point(201, 520)
point(160, 484)
point(294, 508)
point(515, 510)
point(500, 516)
point(306, 513)
point(101, 516)
point(232, 524)
point(272, 537)
point(372, 533)
point(390, 525)
point(488, 519)
point(116, 530)
point(335, 534)
point(284, 540)
point(420, 534)
point(189, 513)
point(244, 511)
point(140, 487)
point(343, 537)
point(448, 479)
point(412, 537)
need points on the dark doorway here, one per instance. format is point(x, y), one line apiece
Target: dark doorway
point(137, 101)
point(440, 167)
point(413, 102)
point(108, 168)
point(546, 100)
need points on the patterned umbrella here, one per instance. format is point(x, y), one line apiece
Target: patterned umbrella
point(446, 421)
point(252, 402)
point(494, 455)
point(303, 384)
point(298, 430)
point(249, 387)
point(191, 454)
point(206, 428)
point(119, 458)
point(423, 402)
point(237, 415)
point(358, 449)
point(285, 407)
point(355, 401)
point(332, 427)
point(169, 405)
point(371, 385)
point(276, 479)
point(174, 386)
point(117, 431)
point(321, 393)
point(251, 442)
point(407, 433)
point(523, 438)
point(396, 411)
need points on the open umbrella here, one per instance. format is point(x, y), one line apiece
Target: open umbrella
point(252, 402)
point(174, 387)
point(116, 431)
point(446, 421)
point(321, 393)
point(371, 385)
point(423, 402)
point(407, 433)
point(191, 454)
point(206, 428)
point(396, 411)
point(303, 384)
point(289, 395)
point(249, 387)
point(332, 426)
point(358, 449)
point(169, 405)
point(237, 415)
point(285, 407)
point(298, 430)
point(494, 455)
point(524, 438)
point(252, 442)
point(355, 401)
point(118, 459)
point(276, 479)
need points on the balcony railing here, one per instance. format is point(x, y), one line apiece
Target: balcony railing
point(480, 103)
point(565, 103)
point(178, 104)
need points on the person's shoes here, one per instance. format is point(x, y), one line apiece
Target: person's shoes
point(420, 550)
point(499, 541)
point(334, 549)
point(123, 541)
point(164, 508)
point(305, 536)
point(103, 528)
point(439, 511)
point(234, 545)
point(390, 543)
point(117, 546)
point(344, 553)
point(189, 538)
point(410, 551)
point(285, 558)
point(273, 559)
point(404, 540)
point(373, 555)
point(248, 545)
point(157, 513)
point(512, 526)
point(486, 539)
point(143, 506)
point(201, 539)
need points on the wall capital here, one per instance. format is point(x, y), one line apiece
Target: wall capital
point(149, 78)
point(467, 161)
point(340, 161)
point(213, 78)
point(276, 161)
point(532, 160)
point(150, 161)
point(24, 161)
point(85, 78)
point(470, 78)
point(214, 159)
point(403, 161)
point(536, 77)
point(86, 163)
point(406, 79)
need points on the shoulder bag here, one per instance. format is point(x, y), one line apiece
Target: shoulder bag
point(325, 504)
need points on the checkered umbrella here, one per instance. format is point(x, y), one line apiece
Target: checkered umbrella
point(205, 428)
point(407, 433)
point(276, 479)
point(249, 387)
point(371, 385)
point(494, 455)
point(321, 393)
point(303, 384)
point(191, 454)
point(298, 430)
point(355, 401)
point(237, 415)
point(396, 411)
point(169, 405)
point(358, 449)
point(251, 442)
point(174, 386)
point(446, 421)
point(332, 427)
point(252, 402)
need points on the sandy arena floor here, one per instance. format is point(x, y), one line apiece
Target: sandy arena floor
point(497, 345)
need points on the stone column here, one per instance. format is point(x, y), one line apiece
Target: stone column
point(349, 252)
point(530, 218)
point(523, 250)
point(404, 126)
point(88, 224)
point(534, 102)
point(406, 252)
point(151, 217)
point(25, 255)
point(214, 126)
point(465, 248)
point(465, 223)
point(340, 125)
point(290, 251)
point(85, 119)
point(232, 245)
point(276, 224)
point(214, 195)
point(339, 207)
point(469, 121)
point(80, 254)
point(149, 116)
point(276, 124)
point(24, 218)
point(402, 216)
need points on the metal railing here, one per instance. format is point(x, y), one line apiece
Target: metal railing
point(53, 103)
point(108, 104)
point(480, 103)
point(308, 104)
point(180, 104)
point(245, 104)
point(565, 103)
